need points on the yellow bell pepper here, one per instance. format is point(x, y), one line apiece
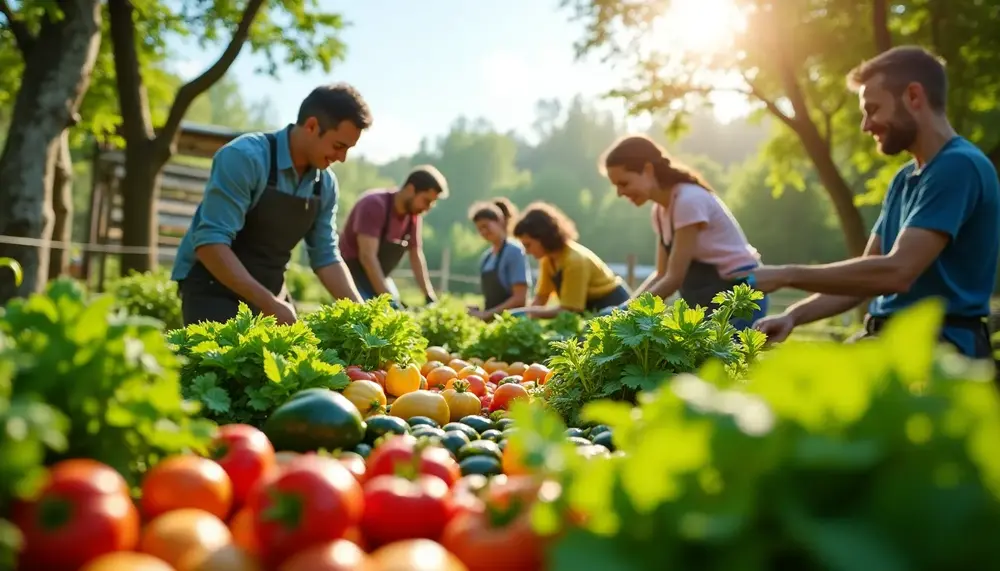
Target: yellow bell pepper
point(399, 381)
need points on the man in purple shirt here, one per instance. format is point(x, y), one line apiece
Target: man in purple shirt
point(384, 225)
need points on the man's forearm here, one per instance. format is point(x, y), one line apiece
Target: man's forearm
point(820, 306)
point(859, 277)
point(222, 263)
point(337, 280)
point(420, 275)
point(647, 283)
point(374, 272)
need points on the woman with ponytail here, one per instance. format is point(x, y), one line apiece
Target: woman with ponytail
point(698, 240)
point(503, 269)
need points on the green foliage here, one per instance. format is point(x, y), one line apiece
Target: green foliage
point(243, 369)
point(152, 294)
point(448, 324)
point(639, 348)
point(110, 374)
point(369, 334)
point(303, 286)
point(511, 338)
point(877, 455)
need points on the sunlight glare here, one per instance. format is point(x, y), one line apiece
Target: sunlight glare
point(698, 26)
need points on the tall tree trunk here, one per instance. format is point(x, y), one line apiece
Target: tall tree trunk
point(147, 152)
point(880, 25)
point(62, 207)
point(58, 63)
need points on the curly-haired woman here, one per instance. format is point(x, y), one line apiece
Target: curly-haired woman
point(568, 269)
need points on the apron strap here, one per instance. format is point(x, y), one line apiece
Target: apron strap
point(272, 173)
point(388, 214)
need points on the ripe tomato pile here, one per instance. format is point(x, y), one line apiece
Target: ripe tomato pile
point(246, 508)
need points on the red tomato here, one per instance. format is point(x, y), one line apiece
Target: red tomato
point(246, 454)
point(486, 401)
point(500, 537)
point(477, 385)
point(505, 394)
point(398, 509)
point(496, 377)
point(355, 463)
point(356, 373)
point(311, 500)
point(397, 451)
point(83, 511)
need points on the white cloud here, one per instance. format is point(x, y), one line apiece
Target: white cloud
point(387, 138)
point(188, 68)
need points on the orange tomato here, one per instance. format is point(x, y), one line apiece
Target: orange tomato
point(430, 366)
point(187, 481)
point(458, 364)
point(440, 376)
point(241, 526)
point(516, 368)
point(505, 394)
point(512, 459)
point(126, 561)
point(415, 555)
point(337, 555)
point(366, 396)
point(471, 370)
point(493, 366)
point(226, 558)
point(402, 380)
point(179, 537)
point(475, 361)
point(536, 372)
point(461, 401)
point(438, 353)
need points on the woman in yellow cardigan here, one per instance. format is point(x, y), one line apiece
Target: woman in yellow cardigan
point(568, 269)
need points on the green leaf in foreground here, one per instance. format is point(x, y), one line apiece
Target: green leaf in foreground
point(14, 267)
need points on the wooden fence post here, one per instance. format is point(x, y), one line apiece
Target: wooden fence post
point(630, 271)
point(445, 268)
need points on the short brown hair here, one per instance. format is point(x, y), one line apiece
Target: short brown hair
point(634, 152)
point(333, 104)
point(427, 177)
point(547, 224)
point(901, 66)
point(500, 210)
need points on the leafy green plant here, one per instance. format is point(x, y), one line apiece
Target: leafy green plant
point(152, 294)
point(369, 334)
point(448, 324)
point(876, 455)
point(511, 338)
point(15, 268)
point(243, 369)
point(640, 347)
point(111, 374)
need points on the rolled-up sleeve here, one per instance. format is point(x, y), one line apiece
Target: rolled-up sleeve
point(235, 175)
point(322, 240)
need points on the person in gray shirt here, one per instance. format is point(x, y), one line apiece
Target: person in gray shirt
point(504, 275)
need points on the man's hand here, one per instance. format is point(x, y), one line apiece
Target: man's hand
point(280, 309)
point(765, 279)
point(776, 327)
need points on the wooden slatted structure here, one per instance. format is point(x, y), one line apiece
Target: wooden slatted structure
point(180, 193)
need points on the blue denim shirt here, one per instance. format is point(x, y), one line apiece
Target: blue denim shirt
point(236, 183)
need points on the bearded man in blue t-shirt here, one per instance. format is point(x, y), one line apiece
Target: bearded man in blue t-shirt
point(937, 234)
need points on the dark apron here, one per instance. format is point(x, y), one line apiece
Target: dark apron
point(702, 281)
point(390, 253)
point(271, 230)
point(494, 293)
point(617, 296)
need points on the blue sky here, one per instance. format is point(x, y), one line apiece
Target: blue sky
point(420, 65)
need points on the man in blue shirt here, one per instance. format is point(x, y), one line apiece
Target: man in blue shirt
point(266, 192)
point(937, 234)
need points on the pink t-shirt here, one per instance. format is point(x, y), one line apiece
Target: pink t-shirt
point(720, 242)
point(368, 218)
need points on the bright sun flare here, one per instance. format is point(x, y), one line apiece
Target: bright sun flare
point(703, 28)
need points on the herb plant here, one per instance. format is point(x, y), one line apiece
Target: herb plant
point(877, 455)
point(245, 368)
point(370, 334)
point(640, 347)
point(110, 374)
point(448, 324)
point(511, 338)
point(152, 294)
